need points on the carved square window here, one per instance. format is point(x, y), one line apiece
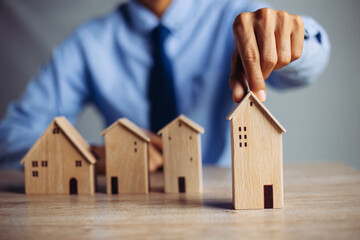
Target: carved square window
point(56, 130)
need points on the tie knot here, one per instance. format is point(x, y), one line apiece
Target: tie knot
point(159, 34)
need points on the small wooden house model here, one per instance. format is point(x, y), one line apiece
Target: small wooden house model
point(60, 162)
point(257, 164)
point(126, 149)
point(182, 155)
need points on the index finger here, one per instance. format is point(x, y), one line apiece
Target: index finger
point(249, 53)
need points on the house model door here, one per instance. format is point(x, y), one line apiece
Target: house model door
point(73, 186)
point(114, 185)
point(268, 196)
point(182, 185)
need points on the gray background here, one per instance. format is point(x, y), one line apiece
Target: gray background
point(322, 120)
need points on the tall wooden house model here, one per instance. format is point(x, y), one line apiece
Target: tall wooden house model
point(126, 149)
point(257, 162)
point(60, 162)
point(182, 156)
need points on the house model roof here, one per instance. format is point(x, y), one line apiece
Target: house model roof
point(130, 126)
point(196, 127)
point(262, 108)
point(73, 135)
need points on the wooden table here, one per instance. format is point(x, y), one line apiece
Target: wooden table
point(322, 201)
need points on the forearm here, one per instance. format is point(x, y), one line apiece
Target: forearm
point(27, 118)
point(59, 89)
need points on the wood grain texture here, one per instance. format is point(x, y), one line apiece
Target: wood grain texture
point(60, 151)
point(256, 145)
point(126, 159)
point(322, 201)
point(182, 156)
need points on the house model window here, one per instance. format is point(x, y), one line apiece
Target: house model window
point(242, 138)
point(34, 163)
point(56, 130)
point(35, 173)
point(78, 163)
point(44, 163)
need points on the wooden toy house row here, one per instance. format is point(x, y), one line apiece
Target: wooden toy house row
point(60, 162)
point(257, 164)
point(126, 148)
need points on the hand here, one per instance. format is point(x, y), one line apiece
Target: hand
point(266, 40)
point(156, 159)
point(99, 153)
point(155, 155)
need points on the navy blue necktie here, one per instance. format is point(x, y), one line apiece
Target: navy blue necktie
point(161, 90)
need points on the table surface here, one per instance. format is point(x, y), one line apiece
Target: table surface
point(322, 201)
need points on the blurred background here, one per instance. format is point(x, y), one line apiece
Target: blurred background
point(322, 120)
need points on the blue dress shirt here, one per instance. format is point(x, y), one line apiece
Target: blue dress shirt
point(107, 62)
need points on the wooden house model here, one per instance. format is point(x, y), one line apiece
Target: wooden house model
point(257, 162)
point(126, 150)
point(60, 162)
point(182, 156)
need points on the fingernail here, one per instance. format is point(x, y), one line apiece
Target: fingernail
point(261, 95)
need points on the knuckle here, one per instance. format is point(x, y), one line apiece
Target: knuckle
point(245, 16)
point(264, 12)
point(298, 21)
point(269, 60)
point(284, 59)
point(257, 81)
point(264, 18)
point(250, 55)
point(241, 20)
point(282, 15)
point(296, 54)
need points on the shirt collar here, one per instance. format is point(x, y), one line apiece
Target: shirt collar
point(143, 20)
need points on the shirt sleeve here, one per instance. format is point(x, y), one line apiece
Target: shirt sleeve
point(59, 89)
point(314, 58)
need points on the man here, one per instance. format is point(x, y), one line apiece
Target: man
point(151, 60)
